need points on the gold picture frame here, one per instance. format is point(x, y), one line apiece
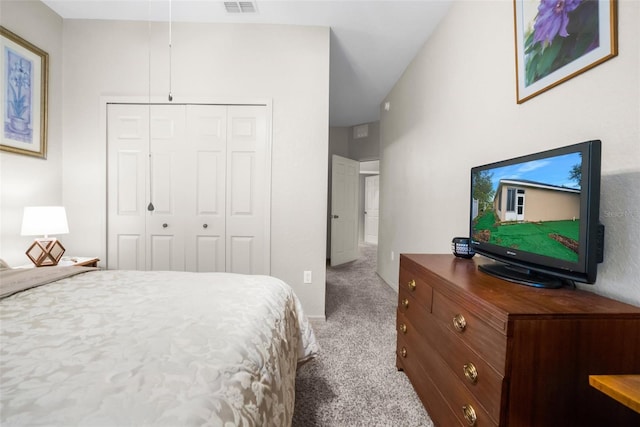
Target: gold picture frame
point(556, 41)
point(24, 70)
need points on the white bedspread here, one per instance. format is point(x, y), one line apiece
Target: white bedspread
point(129, 348)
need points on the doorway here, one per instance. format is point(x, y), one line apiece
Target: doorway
point(371, 207)
point(355, 194)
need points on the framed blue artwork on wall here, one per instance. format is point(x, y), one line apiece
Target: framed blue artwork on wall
point(23, 98)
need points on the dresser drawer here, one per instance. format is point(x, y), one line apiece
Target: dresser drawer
point(402, 326)
point(415, 286)
point(431, 398)
point(414, 350)
point(481, 338)
point(416, 325)
point(406, 301)
point(463, 404)
point(413, 323)
point(484, 382)
point(414, 312)
point(409, 336)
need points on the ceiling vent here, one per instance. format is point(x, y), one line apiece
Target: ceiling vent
point(240, 7)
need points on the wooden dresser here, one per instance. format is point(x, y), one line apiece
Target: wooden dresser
point(481, 351)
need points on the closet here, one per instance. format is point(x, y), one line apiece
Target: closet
point(188, 187)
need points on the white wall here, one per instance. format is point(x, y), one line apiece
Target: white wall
point(455, 108)
point(368, 147)
point(24, 180)
point(287, 64)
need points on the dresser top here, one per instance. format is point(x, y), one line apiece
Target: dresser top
point(460, 278)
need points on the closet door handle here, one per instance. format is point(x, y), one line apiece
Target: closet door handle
point(205, 225)
point(165, 225)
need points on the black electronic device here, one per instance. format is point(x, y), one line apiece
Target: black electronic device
point(538, 215)
point(461, 248)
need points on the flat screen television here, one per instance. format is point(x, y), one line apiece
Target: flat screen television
point(538, 216)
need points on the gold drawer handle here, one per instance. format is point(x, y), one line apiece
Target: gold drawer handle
point(469, 415)
point(404, 352)
point(412, 285)
point(403, 328)
point(405, 303)
point(470, 372)
point(459, 322)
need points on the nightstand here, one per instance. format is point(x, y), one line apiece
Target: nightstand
point(79, 261)
point(72, 260)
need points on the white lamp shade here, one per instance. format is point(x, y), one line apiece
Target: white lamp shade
point(44, 220)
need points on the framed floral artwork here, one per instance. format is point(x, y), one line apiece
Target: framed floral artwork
point(559, 39)
point(24, 69)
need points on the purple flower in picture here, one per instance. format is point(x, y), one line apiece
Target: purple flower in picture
point(552, 19)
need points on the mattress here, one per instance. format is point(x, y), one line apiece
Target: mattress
point(133, 348)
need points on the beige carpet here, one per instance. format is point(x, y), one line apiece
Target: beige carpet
point(354, 381)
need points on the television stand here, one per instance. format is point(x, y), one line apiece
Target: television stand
point(481, 351)
point(521, 275)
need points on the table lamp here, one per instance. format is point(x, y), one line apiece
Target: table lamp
point(45, 220)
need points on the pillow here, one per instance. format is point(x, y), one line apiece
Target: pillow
point(3, 265)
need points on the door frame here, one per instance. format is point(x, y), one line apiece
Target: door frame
point(155, 99)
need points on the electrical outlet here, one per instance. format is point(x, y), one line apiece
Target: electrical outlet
point(393, 256)
point(307, 277)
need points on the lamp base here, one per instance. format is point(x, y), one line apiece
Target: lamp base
point(45, 252)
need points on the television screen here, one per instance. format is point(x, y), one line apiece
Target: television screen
point(539, 214)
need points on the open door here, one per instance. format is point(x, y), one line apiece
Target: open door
point(344, 210)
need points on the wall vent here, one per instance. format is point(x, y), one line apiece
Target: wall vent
point(361, 131)
point(240, 7)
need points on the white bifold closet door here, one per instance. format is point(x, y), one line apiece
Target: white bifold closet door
point(205, 169)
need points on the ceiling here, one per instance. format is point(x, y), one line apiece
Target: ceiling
point(372, 41)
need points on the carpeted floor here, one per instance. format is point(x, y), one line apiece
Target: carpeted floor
point(354, 380)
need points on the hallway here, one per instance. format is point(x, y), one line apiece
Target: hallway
point(354, 380)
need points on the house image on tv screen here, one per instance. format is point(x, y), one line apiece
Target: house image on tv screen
point(523, 200)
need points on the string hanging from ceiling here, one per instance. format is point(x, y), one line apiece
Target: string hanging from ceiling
point(150, 206)
point(170, 46)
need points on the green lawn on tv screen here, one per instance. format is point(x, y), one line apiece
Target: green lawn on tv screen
point(530, 236)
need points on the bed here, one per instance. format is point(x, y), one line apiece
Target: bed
point(83, 346)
